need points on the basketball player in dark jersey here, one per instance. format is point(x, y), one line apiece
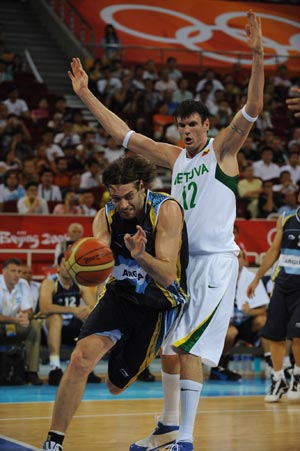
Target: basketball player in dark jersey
point(143, 296)
point(60, 300)
point(283, 318)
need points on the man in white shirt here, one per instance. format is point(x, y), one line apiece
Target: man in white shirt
point(165, 82)
point(93, 176)
point(108, 84)
point(211, 77)
point(46, 189)
point(87, 203)
point(67, 136)
point(265, 168)
point(32, 203)
point(15, 105)
point(292, 167)
point(16, 323)
point(174, 72)
point(112, 151)
point(34, 286)
point(52, 150)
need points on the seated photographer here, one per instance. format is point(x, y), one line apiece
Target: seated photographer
point(60, 301)
point(16, 313)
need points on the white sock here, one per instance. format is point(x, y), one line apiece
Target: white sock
point(296, 369)
point(286, 361)
point(54, 361)
point(189, 398)
point(171, 390)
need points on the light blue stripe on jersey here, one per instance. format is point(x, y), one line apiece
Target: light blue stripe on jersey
point(290, 266)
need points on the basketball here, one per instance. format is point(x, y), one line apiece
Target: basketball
point(89, 261)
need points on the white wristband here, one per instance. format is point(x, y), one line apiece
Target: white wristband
point(126, 139)
point(246, 115)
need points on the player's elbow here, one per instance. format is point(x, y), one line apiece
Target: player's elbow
point(167, 279)
point(43, 309)
point(254, 108)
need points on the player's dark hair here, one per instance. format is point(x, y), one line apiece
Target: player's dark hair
point(189, 107)
point(128, 170)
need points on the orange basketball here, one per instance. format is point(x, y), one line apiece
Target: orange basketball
point(89, 261)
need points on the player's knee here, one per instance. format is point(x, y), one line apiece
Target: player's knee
point(258, 322)
point(54, 324)
point(296, 341)
point(79, 364)
point(170, 363)
point(232, 333)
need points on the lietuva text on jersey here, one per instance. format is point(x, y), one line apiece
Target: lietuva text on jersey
point(128, 277)
point(208, 197)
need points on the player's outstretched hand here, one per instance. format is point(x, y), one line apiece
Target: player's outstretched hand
point(293, 103)
point(254, 34)
point(78, 76)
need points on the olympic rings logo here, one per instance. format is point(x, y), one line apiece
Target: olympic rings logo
point(187, 38)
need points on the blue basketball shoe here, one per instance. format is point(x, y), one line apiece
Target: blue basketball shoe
point(162, 435)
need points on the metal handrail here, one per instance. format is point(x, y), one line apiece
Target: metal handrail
point(27, 251)
point(32, 66)
point(72, 18)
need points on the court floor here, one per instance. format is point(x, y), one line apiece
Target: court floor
point(232, 416)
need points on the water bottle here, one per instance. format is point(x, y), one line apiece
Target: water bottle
point(235, 363)
point(243, 364)
point(257, 367)
point(248, 365)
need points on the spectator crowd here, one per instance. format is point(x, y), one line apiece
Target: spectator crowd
point(52, 158)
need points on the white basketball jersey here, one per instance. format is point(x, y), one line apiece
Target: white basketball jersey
point(208, 197)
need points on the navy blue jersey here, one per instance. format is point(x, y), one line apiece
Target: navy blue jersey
point(287, 272)
point(66, 297)
point(128, 277)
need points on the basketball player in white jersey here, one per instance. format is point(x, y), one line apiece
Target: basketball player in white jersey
point(205, 181)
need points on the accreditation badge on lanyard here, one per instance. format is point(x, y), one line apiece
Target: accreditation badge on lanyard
point(10, 330)
point(8, 308)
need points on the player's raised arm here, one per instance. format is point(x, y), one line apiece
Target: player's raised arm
point(160, 153)
point(229, 141)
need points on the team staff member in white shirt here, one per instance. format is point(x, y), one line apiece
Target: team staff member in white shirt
point(16, 323)
point(34, 286)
